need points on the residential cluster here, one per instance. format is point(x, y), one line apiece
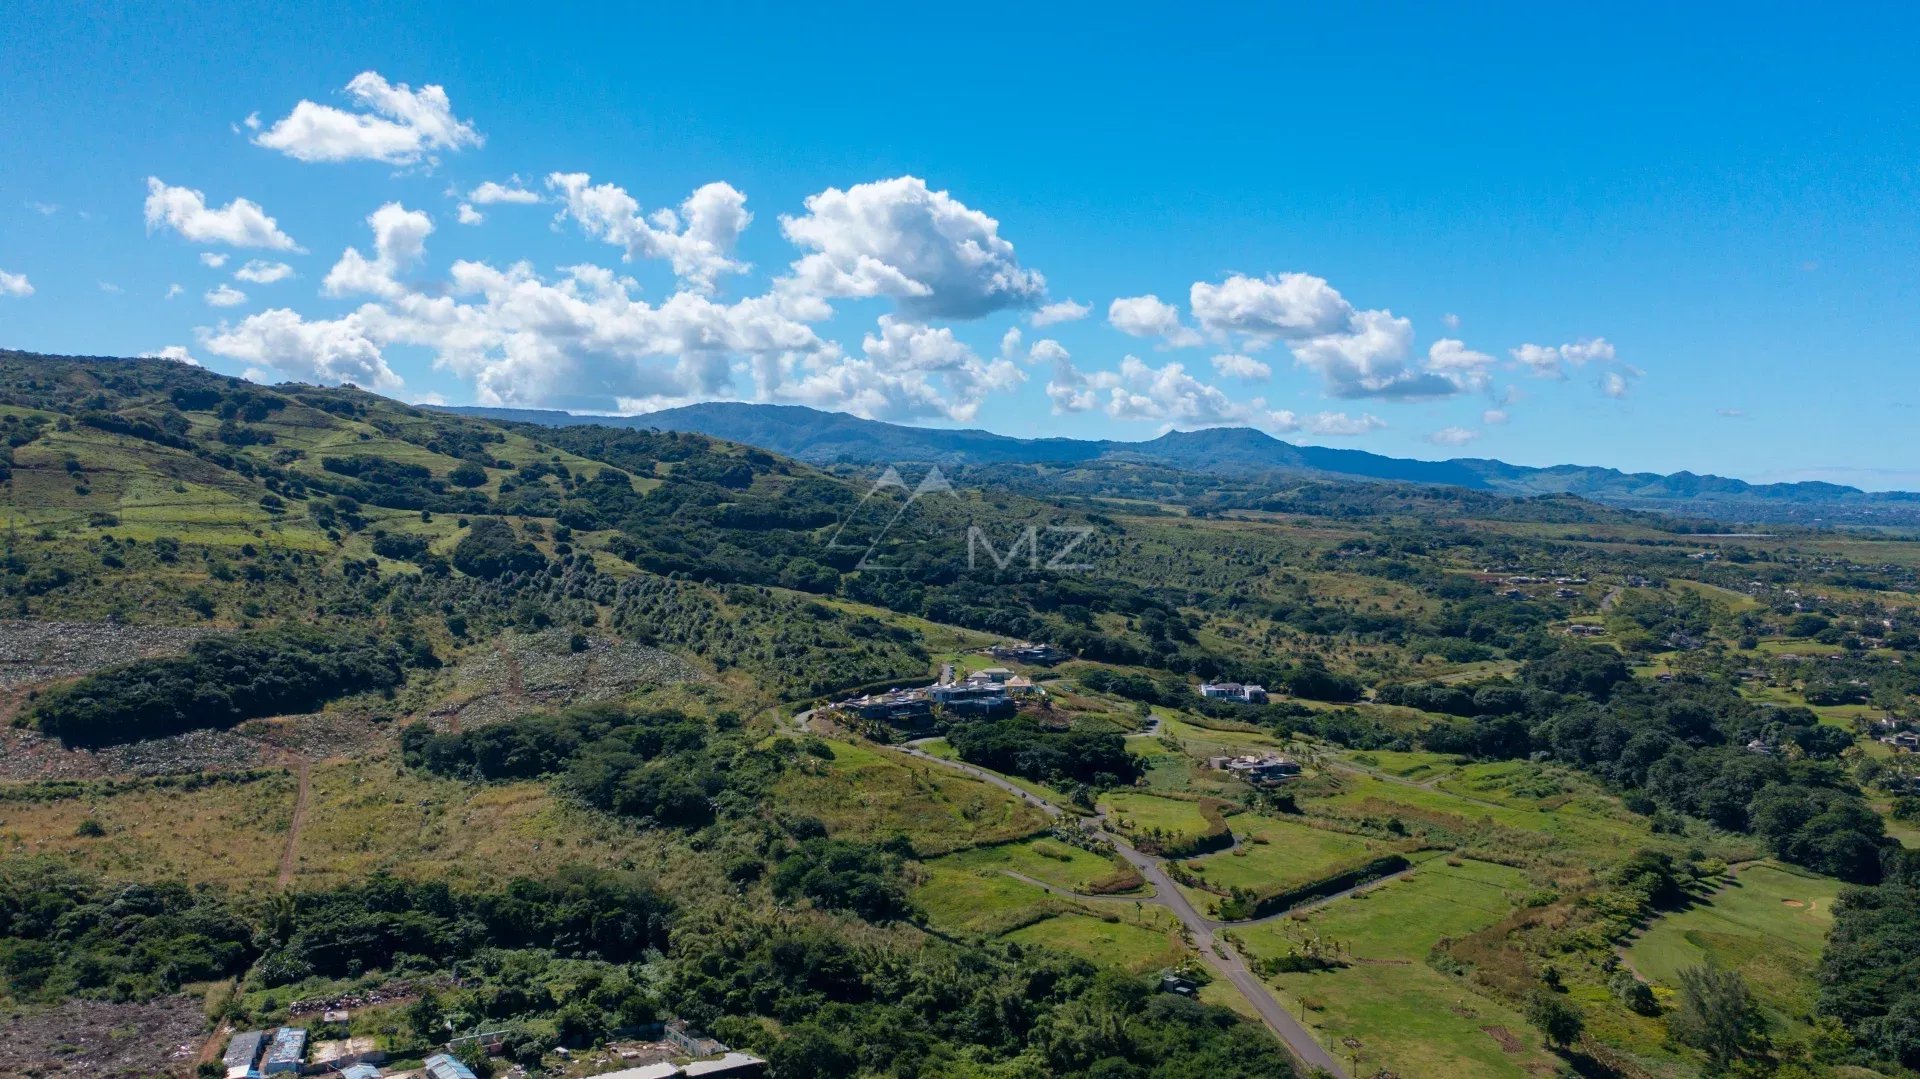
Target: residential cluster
point(260, 1054)
point(1262, 770)
point(991, 693)
point(1898, 733)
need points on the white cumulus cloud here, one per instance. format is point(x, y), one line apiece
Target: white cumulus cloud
point(1064, 311)
point(399, 239)
point(908, 370)
point(1341, 425)
point(263, 272)
point(698, 239)
point(1285, 306)
point(1494, 417)
point(397, 125)
point(213, 259)
point(1149, 316)
point(327, 352)
point(15, 284)
point(176, 353)
point(1170, 396)
point(1552, 361)
point(1460, 365)
point(225, 296)
point(240, 223)
point(1453, 436)
point(1368, 358)
point(930, 253)
point(1234, 365)
point(491, 193)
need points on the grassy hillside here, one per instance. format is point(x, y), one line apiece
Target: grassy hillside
point(310, 694)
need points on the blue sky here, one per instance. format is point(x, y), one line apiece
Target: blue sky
point(1654, 238)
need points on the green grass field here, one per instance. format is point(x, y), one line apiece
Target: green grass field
point(226, 833)
point(1113, 941)
point(1414, 1021)
point(1140, 813)
point(1769, 923)
point(871, 794)
point(1590, 826)
point(1405, 1015)
point(1275, 854)
point(1401, 919)
point(1046, 860)
point(959, 898)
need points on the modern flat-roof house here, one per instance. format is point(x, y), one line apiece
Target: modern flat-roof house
point(1268, 770)
point(243, 1054)
point(1233, 691)
point(1044, 655)
point(286, 1053)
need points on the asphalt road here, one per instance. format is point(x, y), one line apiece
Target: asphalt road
point(1218, 954)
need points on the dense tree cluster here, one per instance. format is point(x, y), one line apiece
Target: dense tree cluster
point(660, 766)
point(65, 933)
point(948, 1011)
point(373, 925)
point(1018, 745)
point(223, 680)
point(842, 875)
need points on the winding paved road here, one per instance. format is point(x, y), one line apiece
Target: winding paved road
point(1218, 954)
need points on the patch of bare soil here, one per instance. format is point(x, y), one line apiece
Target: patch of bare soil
point(526, 672)
point(26, 755)
point(1508, 1043)
point(98, 1040)
point(36, 652)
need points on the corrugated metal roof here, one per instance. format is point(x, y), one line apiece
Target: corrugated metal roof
point(730, 1064)
point(244, 1049)
point(442, 1066)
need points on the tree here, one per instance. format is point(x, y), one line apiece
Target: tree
point(1716, 1013)
point(1557, 1019)
point(468, 474)
point(426, 1020)
point(1634, 993)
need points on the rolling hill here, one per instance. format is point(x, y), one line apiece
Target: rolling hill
point(1243, 453)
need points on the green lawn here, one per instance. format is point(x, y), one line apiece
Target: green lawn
point(1121, 942)
point(1408, 764)
point(1770, 923)
point(1402, 919)
point(958, 898)
point(1406, 1016)
point(1046, 860)
point(1137, 813)
point(1589, 824)
point(1275, 854)
point(1414, 1021)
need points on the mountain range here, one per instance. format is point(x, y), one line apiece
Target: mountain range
point(1241, 453)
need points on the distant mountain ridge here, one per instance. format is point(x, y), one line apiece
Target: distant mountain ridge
point(823, 437)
